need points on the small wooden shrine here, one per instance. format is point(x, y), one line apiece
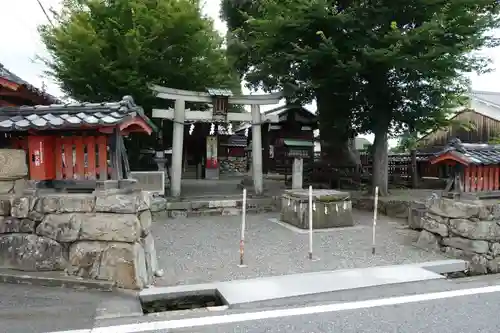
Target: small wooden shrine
point(475, 169)
point(74, 145)
point(15, 91)
point(291, 137)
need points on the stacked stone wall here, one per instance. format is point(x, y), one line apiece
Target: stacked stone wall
point(104, 236)
point(462, 229)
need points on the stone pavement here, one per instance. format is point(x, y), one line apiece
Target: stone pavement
point(206, 249)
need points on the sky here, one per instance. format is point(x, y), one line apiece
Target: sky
point(21, 45)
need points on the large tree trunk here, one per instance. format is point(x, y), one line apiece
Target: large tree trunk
point(336, 134)
point(380, 170)
point(414, 171)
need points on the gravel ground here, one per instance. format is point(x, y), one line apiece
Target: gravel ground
point(205, 249)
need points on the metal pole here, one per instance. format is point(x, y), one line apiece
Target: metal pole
point(310, 224)
point(243, 222)
point(375, 209)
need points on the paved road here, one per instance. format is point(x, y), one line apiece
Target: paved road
point(469, 305)
point(34, 309)
point(478, 313)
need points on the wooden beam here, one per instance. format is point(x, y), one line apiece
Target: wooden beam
point(207, 116)
point(243, 116)
point(256, 99)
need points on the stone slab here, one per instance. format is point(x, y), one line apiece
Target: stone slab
point(445, 266)
point(238, 292)
point(318, 195)
point(275, 287)
point(53, 279)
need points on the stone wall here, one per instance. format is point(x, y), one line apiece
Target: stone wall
point(467, 230)
point(104, 236)
point(13, 171)
point(231, 165)
point(391, 208)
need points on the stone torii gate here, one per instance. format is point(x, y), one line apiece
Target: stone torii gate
point(220, 100)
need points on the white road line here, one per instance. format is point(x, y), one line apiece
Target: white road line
point(273, 314)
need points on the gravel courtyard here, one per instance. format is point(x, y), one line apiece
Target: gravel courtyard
point(204, 249)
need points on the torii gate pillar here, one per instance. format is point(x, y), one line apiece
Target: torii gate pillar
point(177, 146)
point(219, 98)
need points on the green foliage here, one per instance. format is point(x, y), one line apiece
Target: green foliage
point(382, 66)
point(495, 140)
point(104, 49)
point(389, 62)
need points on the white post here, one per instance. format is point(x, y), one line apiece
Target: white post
point(176, 175)
point(243, 223)
point(257, 150)
point(375, 209)
point(310, 223)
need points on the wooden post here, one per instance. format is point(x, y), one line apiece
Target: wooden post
point(497, 176)
point(116, 158)
point(467, 179)
point(473, 178)
point(459, 175)
point(90, 170)
point(124, 156)
point(102, 160)
point(68, 157)
point(79, 158)
point(480, 186)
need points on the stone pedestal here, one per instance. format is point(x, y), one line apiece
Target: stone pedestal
point(330, 209)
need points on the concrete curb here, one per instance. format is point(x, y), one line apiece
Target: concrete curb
point(49, 279)
point(232, 290)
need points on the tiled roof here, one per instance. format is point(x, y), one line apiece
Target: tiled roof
point(473, 153)
point(63, 116)
point(8, 75)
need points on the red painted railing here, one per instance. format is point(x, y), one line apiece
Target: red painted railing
point(82, 158)
point(482, 178)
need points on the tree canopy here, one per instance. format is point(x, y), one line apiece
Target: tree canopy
point(103, 50)
point(373, 66)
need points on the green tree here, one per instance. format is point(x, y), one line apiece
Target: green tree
point(102, 50)
point(373, 66)
point(282, 45)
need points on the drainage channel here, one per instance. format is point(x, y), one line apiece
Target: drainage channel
point(230, 294)
point(210, 299)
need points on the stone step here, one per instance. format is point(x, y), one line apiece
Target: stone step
point(222, 207)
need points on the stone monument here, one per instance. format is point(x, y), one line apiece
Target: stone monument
point(330, 208)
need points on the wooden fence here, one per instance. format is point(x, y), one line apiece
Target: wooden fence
point(399, 171)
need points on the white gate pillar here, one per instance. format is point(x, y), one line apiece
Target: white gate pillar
point(257, 150)
point(177, 146)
